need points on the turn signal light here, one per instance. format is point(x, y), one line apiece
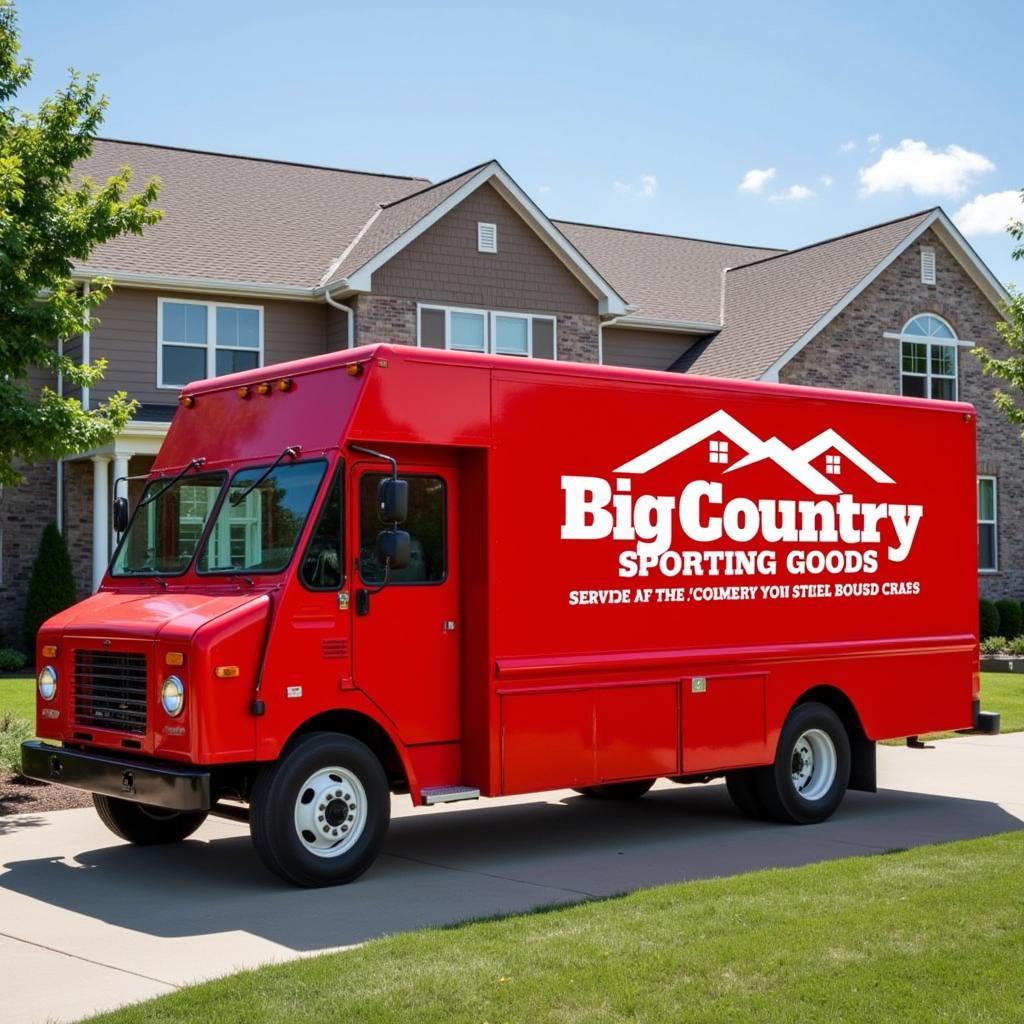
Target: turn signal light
point(264, 388)
point(285, 384)
point(244, 392)
point(174, 658)
point(49, 650)
point(187, 400)
point(226, 671)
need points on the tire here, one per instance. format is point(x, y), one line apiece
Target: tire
point(742, 787)
point(319, 815)
point(144, 825)
point(617, 790)
point(808, 779)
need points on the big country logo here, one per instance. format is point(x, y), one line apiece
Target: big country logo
point(597, 508)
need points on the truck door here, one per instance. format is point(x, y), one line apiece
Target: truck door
point(406, 645)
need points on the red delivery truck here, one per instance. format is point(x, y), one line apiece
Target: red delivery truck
point(399, 570)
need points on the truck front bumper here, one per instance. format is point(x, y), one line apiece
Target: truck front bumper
point(172, 787)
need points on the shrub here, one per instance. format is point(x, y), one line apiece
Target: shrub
point(1016, 647)
point(989, 618)
point(51, 587)
point(994, 645)
point(13, 729)
point(12, 660)
point(1011, 621)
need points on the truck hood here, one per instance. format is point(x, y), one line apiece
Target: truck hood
point(145, 616)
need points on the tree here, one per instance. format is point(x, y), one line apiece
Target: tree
point(48, 221)
point(1011, 328)
point(51, 587)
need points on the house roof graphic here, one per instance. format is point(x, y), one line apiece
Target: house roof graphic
point(796, 462)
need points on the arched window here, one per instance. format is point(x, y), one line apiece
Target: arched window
point(928, 346)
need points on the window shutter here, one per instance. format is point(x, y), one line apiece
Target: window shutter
point(487, 237)
point(928, 266)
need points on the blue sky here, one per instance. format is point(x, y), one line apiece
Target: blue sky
point(648, 115)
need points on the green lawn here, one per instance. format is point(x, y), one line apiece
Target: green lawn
point(19, 696)
point(933, 934)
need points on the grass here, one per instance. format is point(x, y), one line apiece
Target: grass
point(933, 934)
point(18, 696)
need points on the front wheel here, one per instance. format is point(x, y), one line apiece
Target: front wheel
point(808, 779)
point(320, 814)
point(145, 825)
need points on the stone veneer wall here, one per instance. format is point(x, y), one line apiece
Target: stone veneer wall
point(851, 353)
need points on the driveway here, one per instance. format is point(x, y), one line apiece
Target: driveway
point(88, 923)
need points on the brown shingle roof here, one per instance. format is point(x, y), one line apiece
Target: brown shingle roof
point(666, 277)
point(230, 218)
point(772, 303)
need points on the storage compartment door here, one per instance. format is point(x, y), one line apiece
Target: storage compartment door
point(723, 722)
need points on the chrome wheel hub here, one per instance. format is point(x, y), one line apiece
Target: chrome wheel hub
point(330, 812)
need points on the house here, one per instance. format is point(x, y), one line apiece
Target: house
point(261, 261)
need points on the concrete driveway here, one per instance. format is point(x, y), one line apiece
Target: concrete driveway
point(88, 923)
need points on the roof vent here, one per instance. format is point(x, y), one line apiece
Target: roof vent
point(927, 266)
point(487, 237)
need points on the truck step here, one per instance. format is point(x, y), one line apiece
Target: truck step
point(449, 794)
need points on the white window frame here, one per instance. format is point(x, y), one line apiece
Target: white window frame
point(917, 339)
point(490, 332)
point(993, 522)
point(211, 345)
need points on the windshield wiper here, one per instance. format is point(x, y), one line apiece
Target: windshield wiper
point(194, 464)
point(290, 452)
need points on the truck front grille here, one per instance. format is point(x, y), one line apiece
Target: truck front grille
point(110, 691)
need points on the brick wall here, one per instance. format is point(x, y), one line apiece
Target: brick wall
point(24, 510)
point(851, 353)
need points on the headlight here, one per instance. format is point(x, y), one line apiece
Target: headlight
point(172, 696)
point(47, 683)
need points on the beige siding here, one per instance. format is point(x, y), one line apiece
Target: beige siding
point(644, 350)
point(444, 266)
point(126, 337)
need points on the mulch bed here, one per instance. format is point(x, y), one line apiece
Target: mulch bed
point(25, 796)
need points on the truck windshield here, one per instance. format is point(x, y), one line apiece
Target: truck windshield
point(258, 532)
point(165, 531)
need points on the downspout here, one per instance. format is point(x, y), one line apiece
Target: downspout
point(602, 324)
point(351, 318)
point(86, 348)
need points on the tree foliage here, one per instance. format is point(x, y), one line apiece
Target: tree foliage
point(48, 222)
point(1010, 369)
point(51, 587)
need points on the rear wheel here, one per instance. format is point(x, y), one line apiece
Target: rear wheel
point(618, 790)
point(143, 824)
point(808, 779)
point(319, 815)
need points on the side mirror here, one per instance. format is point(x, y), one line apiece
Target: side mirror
point(393, 547)
point(393, 500)
point(120, 514)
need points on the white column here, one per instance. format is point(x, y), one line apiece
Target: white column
point(120, 487)
point(100, 518)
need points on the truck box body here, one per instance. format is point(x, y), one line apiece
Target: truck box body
point(634, 575)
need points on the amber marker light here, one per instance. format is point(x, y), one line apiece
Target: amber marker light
point(264, 388)
point(244, 392)
point(187, 400)
point(285, 384)
point(354, 369)
point(226, 672)
point(49, 650)
point(174, 658)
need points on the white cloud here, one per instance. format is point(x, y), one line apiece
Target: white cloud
point(794, 192)
point(646, 189)
point(755, 180)
point(989, 214)
point(926, 172)
point(848, 147)
point(874, 141)
point(827, 180)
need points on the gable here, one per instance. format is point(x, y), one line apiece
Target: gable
point(444, 265)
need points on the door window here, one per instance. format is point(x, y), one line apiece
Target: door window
point(425, 525)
